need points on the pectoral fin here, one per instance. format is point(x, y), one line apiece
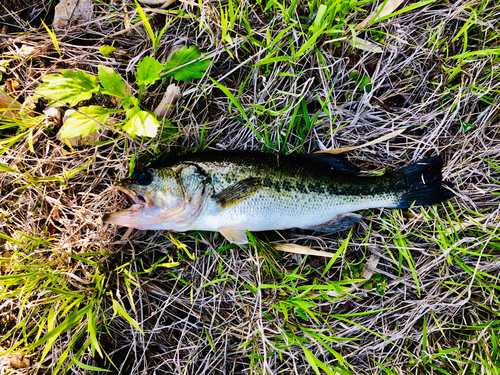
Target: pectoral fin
point(338, 223)
point(235, 235)
point(237, 192)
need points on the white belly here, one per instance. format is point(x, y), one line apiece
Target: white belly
point(260, 212)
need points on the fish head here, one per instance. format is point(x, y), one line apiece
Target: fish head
point(156, 197)
point(166, 198)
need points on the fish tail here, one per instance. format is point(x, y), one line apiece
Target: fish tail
point(423, 184)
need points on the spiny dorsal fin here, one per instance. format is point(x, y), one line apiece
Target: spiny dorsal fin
point(338, 164)
point(238, 192)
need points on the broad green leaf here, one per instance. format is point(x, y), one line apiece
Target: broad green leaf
point(68, 88)
point(148, 71)
point(365, 84)
point(141, 123)
point(192, 69)
point(106, 50)
point(112, 82)
point(118, 309)
point(85, 122)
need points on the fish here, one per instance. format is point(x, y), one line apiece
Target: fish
point(232, 192)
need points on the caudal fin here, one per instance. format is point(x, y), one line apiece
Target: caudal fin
point(423, 183)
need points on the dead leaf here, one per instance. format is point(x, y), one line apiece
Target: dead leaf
point(54, 115)
point(380, 12)
point(173, 93)
point(13, 85)
point(378, 140)
point(297, 249)
point(5, 265)
point(8, 106)
point(366, 45)
point(167, 103)
point(27, 51)
point(68, 11)
point(369, 268)
point(14, 359)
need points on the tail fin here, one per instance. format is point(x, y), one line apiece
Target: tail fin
point(423, 183)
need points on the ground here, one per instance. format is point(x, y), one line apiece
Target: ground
point(407, 291)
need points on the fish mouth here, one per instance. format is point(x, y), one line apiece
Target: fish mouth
point(133, 197)
point(137, 203)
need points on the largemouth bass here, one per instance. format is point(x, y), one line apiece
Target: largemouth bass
point(234, 191)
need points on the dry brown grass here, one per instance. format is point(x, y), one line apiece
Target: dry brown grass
point(223, 327)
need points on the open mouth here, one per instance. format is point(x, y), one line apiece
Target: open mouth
point(133, 197)
point(129, 216)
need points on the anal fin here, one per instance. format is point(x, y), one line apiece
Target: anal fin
point(235, 235)
point(338, 223)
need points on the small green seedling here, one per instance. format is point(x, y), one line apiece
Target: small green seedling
point(106, 50)
point(378, 282)
point(4, 64)
point(363, 85)
point(69, 87)
point(155, 37)
point(363, 82)
point(352, 271)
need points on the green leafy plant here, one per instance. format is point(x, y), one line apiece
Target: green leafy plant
point(69, 87)
point(352, 270)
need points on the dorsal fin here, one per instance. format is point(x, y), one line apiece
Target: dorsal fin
point(334, 162)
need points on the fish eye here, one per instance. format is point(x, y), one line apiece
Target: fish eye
point(143, 178)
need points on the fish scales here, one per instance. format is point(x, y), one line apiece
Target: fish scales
point(232, 192)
